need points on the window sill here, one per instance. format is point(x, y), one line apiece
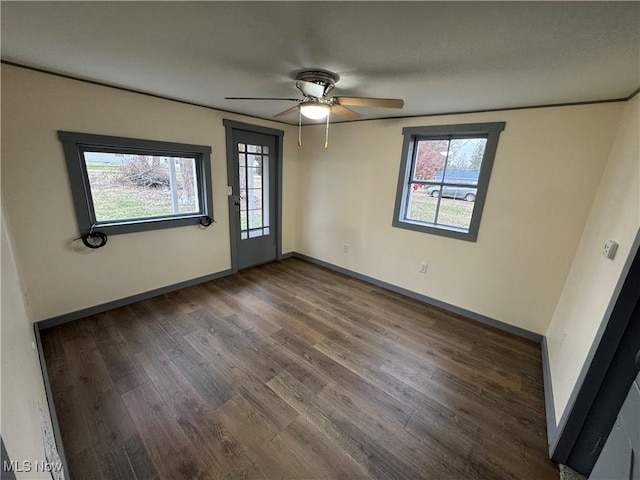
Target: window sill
point(444, 231)
point(116, 228)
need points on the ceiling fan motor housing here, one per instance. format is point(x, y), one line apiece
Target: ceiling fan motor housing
point(320, 77)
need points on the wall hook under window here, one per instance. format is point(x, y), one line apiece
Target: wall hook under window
point(206, 221)
point(94, 239)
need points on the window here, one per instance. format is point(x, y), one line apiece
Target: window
point(123, 185)
point(444, 175)
point(253, 170)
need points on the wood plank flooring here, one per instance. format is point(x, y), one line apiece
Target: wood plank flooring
point(292, 371)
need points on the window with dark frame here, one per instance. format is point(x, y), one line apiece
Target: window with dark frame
point(121, 185)
point(444, 176)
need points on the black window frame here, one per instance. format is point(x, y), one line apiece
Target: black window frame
point(75, 144)
point(490, 131)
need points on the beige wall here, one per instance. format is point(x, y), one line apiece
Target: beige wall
point(591, 282)
point(547, 169)
point(22, 394)
point(62, 276)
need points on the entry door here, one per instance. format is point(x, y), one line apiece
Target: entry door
point(620, 457)
point(254, 198)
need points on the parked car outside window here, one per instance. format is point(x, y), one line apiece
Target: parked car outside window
point(458, 193)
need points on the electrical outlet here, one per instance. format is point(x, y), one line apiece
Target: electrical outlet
point(563, 337)
point(609, 250)
point(423, 267)
point(345, 248)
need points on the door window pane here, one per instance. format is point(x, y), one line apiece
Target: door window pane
point(265, 189)
point(255, 219)
point(254, 177)
point(254, 191)
point(255, 199)
point(243, 220)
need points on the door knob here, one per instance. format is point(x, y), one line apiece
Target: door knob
point(237, 203)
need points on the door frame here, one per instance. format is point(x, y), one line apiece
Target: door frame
point(605, 379)
point(232, 126)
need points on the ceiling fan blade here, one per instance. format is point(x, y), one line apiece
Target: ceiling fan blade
point(370, 102)
point(344, 112)
point(287, 111)
point(262, 98)
point(310, 89)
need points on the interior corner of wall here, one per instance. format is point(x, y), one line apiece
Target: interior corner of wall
point(8, 243)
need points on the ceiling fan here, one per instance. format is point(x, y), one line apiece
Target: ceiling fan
point(316, 104)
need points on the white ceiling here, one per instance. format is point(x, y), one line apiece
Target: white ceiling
point(440, 57)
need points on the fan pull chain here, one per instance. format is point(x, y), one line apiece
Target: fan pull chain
point(326, 133)
point(299, 126)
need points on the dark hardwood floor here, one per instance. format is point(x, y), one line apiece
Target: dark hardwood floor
point(292, 371)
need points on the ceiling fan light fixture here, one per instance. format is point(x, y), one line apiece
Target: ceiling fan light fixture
point(315, 110)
